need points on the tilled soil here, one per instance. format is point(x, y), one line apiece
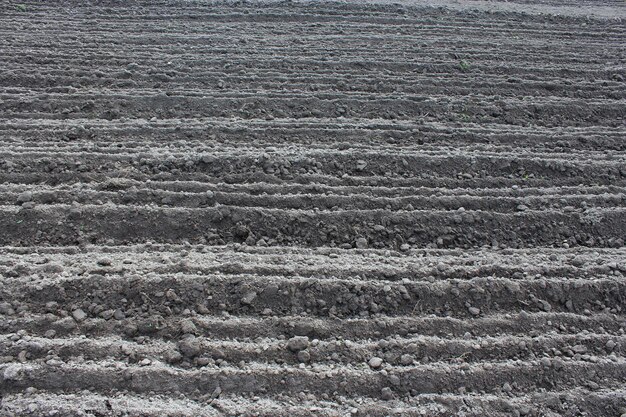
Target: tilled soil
point(312, 208)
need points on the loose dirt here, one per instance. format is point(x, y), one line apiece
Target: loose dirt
point(312, 208)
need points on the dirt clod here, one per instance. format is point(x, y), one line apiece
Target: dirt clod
point(24, 197)
point(361, 243)
point(190, 347)
point(304, 356)
point(298, 343)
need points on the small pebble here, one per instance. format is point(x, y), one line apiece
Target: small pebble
point(474, 311)
point(375, 362)
point(79, 315)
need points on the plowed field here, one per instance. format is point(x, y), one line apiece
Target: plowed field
point(312, 208)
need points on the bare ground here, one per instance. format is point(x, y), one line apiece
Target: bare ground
point(312, 208)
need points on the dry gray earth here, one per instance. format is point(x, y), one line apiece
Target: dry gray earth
point(312, 208)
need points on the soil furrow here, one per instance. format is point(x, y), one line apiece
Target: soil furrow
point(312, 208)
